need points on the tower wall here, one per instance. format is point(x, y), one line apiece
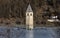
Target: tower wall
point(29, 20)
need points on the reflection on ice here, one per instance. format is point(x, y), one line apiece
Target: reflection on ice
point(29, 34)
point(40, 33)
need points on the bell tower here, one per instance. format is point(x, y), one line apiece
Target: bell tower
point(29, 18)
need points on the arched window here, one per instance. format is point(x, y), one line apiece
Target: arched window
point(27, 14)
point(30, 14)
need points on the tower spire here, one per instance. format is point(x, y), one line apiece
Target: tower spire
point(29, 9)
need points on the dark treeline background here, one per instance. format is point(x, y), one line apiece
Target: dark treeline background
point(42, 9)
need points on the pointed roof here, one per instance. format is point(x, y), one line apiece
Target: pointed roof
point(29, 9)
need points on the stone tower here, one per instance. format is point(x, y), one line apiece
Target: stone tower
point(29, 18)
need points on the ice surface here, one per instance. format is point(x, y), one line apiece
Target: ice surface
point(35, 33)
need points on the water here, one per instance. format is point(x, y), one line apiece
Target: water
point(23, 33)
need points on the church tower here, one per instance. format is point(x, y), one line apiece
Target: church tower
point(29, 18)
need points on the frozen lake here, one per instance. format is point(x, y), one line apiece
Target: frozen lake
point(16, 32)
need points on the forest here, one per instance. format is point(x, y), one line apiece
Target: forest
point(13, 11)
